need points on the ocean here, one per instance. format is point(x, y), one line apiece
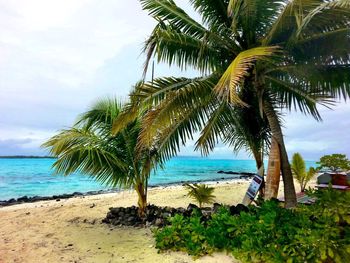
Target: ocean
point(34, 177)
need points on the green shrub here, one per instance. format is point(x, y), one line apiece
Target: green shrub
point(184, 234)
point(269, 233)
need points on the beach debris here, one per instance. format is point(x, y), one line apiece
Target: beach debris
point(93, 205)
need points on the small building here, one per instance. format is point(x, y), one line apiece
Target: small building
point(334, 178)
point(324, 178)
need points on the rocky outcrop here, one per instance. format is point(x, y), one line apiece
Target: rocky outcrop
point(242, 175)
point(26, 199)
point(158, 216)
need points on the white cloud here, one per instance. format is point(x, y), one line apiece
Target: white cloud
point(58, 56)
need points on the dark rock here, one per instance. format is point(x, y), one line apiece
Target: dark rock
point(11, 201)
point(216, 207)
point(180, 210)
point(167, 209)
point(23, 199)
point(114, 211)
point(192, 207)
point(206, 211)
point(133, 212)
point(115, 222)
point(159, 222)
point(43, 198)
point(121, 214)
point(57, 200)
point(110, 215)
point(241, 208)
point(131, 219)
point(233, 210)
point(66, 196)
point(166, 215)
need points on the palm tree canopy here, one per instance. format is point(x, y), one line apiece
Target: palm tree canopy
point(88, 147)
point(298, 166)
point(280, 50)
point(296, 49)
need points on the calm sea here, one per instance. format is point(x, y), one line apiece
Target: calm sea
point(34, 177)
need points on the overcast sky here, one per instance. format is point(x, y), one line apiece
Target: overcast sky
point(58, 56)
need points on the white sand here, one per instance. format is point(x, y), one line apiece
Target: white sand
point(71, 231)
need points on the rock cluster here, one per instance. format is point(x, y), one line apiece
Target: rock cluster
point(243, 175)
point(158, 216)
point(26, 199)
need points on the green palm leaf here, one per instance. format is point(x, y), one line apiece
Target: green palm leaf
point(230, 82)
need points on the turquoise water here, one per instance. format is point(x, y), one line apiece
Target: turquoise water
point(34, 177)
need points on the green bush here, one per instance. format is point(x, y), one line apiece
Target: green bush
point(184, 234)
point(269, 233)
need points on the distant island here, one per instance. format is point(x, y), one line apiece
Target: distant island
point(25, 157)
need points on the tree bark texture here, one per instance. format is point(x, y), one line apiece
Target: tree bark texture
point(289, 189)
point(273, 171)
point(142, 199)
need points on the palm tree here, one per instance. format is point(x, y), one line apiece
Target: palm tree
point(289, 53)
point(88, 147)
point(238, 127)
point(202, 193)
point(299, 171)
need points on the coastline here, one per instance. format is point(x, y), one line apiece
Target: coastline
point(33, 199)
point(70, 230)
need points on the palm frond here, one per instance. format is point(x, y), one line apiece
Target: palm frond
point(202, 193)
point(168, 11)
point(288, 20)
point(213, 12)
point(329, 15)
point(230, 82)
point(214, 129)
point(174, 47)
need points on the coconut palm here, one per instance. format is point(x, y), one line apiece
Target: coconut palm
point(289, 53)
point(88, 147)
point(238, 127)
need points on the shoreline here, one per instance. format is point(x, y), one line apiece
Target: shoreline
point(71, 230)
point(35, 199)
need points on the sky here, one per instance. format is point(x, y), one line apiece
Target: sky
point(58, 56)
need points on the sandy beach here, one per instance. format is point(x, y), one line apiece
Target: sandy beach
point(71, 230)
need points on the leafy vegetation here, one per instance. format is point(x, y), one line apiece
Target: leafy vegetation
point(334, 162)
point(299, 171)
point(290, 54)
point(113, 160)
point(202, 193)
point(269, 233)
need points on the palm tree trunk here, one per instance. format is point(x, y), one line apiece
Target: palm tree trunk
point(289, 189)
point(273, 171)
point(142, 199)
